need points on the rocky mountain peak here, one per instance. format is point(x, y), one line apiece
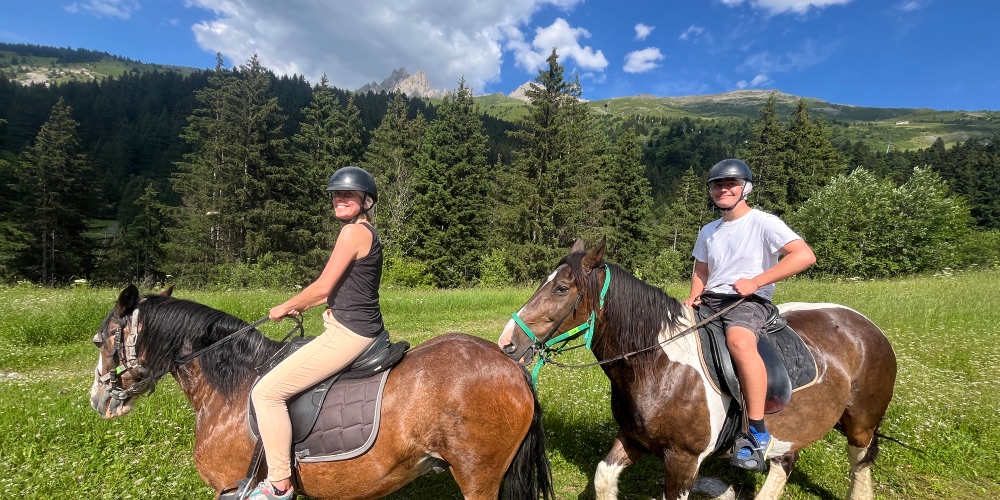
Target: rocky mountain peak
point(400, 80)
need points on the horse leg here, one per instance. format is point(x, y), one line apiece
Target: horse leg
point(777, 476)
point(680, 470)
point(862, 448)
point(860, 487)
point(622, 454)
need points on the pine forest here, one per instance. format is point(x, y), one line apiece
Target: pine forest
point(217, 179)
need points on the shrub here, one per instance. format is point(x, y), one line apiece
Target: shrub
point(493, 270)
point(405, 272)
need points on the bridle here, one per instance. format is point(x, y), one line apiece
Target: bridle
point(123, 356)
point(546, 353)
point(544, 348)
point(126, 360)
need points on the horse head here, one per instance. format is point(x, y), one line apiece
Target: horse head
point(120, 376)
point(566, 301)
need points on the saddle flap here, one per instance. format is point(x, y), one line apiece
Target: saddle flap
point(304, 408)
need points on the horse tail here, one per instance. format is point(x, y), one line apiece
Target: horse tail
point(873, 448)
point(529, 474)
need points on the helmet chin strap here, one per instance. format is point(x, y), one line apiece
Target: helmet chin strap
point(747, 187)
point(366, 205)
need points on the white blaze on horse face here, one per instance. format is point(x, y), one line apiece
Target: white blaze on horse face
point(507, 335)
point(97, 380)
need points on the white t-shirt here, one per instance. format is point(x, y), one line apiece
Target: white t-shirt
point(742, 248)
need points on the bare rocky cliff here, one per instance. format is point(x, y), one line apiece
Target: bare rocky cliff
point(400, 80)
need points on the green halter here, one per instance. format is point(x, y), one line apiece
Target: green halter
point(586, 329)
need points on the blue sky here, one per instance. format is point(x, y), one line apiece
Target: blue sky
point(939, 54)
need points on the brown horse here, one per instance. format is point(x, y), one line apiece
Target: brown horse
point(453, 402)
point(660, 394)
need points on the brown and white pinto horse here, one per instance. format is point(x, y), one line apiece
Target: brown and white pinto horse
point(453, 402)
point(662, 399)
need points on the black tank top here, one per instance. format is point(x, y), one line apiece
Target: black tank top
point(354, 300)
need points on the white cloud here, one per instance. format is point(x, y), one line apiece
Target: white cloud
point(355, 42)
point(806, 56)
point(643, 60)
point(910, 6)
point(757, 81)
point(121, 9)
point(692, 31)
point(642, 31)
point(565, 39)
point(783, 6)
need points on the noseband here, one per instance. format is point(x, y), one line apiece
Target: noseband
point(545, 347)
point(126, 361)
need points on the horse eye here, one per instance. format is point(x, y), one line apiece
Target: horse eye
point(560, 289)
point(98, 341)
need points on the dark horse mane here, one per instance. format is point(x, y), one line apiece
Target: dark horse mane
point(173, 328)
point(634, 311)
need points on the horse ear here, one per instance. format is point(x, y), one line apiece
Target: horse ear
point(594, 258)
point(168, 291)
point(127, 300)
point(578, 246)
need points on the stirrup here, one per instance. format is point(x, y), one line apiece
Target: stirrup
point(239, 492)
point(756, 461)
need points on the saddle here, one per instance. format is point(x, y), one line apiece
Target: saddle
point(789, 363)
point(304, 408)
point(336, 419)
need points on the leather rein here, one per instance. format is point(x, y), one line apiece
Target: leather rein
point(546, 353)
point(126, 360)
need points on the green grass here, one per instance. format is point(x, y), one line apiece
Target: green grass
point(942, 328)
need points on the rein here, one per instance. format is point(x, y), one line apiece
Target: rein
point(585, 329)
point(547, 353)
point(145, 385)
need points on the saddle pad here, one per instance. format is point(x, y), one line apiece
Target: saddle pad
point(791, 349)
point(348, 422)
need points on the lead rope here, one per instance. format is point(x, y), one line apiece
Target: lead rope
point(625, 356)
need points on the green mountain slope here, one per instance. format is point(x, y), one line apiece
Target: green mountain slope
point(879, 128)
point(32, 64)
point(901, 128)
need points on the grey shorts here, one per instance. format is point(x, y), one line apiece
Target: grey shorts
point(750, 314)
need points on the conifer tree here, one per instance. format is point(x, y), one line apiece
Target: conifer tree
point(626, 211)
point(231, 184)
point(329, 138)
point(391, 159)
point(767, 155)
point(550, 196)
point(812, 159)
point(453, 188)
point(50, 221)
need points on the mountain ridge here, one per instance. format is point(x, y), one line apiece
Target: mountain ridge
point(903, 127)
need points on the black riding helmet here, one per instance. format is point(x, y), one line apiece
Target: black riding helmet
point(732, 168)
point(352, 178)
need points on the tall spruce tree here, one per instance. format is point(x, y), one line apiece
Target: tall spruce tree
point(626, 210)
point(55, 199)
point(391, 158)
point(453, 190)
point(549, 196)
point(134, 248)
point(329, 138)
point(767, 154)
point(812, 159)
point(230, 176)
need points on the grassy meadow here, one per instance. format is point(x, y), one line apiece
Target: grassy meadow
point(943, 328)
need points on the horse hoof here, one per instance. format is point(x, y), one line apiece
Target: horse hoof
point(713, 488)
